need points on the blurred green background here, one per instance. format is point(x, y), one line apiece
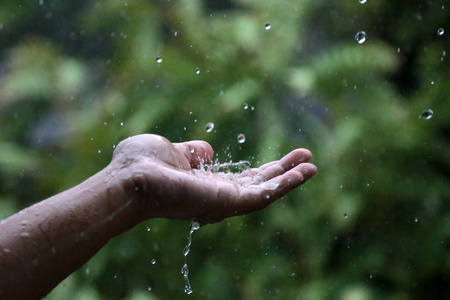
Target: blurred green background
point(77, 77)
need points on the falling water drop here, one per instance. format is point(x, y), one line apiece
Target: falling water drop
point(159, 59)
point(185, 269)
point(360, 37)
point(197, 71)
point(209, 127)
point(267, 26)
point(362, 1)
point(440, 31)
point(153, 261)
point(245, 106)
point(427, 114)
point(345, 215)
point(241, 138)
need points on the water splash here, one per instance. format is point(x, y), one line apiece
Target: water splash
point(185, 269)
point(228, 167)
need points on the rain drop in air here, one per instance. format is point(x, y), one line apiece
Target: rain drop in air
point(197, 71)
point(427, 114)
point(209, 127)
point(159, 59)
point(360, 37)
point(241, 138)
point(440, 31)
point(362, 1)
point(267, 26)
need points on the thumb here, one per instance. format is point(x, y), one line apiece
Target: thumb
point(196, 152)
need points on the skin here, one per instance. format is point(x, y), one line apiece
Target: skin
point(148, 177)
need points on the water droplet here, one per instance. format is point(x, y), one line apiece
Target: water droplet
point(148, 229)
point(440, 31)
point(153, 261)
point(245, 106)
point(416, 219)
point(41, 2)
point(87, 271)
point(345, 215)
point(121, 123)
point(149, 288)
point(241, 138)
point(159, 59)
point(427, 114)
point(267, 26)
point(360, 37)
point(192, 150)
point(197, 71)
point(209, 127)
point(362, 1)
point(99, 151)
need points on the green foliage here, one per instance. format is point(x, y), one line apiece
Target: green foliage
point(76, 78)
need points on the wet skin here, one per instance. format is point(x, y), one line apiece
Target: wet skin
point(148, 177)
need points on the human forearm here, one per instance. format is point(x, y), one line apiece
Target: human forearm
point(43, 244)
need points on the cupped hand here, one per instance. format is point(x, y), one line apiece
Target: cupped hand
point(164, 180)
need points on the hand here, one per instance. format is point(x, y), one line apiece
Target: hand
point(163, 179)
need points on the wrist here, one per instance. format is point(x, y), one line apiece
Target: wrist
point(115, 209)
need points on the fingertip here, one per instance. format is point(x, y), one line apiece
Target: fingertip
point(308, 170)
point(295, 157)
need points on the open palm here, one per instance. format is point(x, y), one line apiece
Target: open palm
point(165, 179)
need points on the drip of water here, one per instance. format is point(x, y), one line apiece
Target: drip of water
point(185, 269)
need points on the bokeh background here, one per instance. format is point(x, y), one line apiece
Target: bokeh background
point(77, 77)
